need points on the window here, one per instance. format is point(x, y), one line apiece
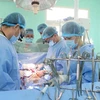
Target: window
point(56, 15)
point(61, 13)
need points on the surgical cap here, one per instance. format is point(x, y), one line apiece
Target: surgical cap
point(41, 27)
point(29, 31)
point(13, 19)
point(48, 32)
point(71, 29)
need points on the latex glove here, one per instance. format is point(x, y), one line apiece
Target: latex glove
point(41, 73)
point(47, 68)
point(37, 75)
point(30, 79)
point(62, 78)
point(33, 78)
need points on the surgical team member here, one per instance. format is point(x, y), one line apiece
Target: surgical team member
point(57, 47)
point(27, 45)
point(40, 29)
point(29, 36)
point(72, 33)
point(10, 30)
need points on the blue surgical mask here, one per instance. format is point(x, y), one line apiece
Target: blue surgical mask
point(51, 43)
point(29, 40)
point(13, 39)
point(71, 44)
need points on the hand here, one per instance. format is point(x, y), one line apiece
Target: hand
point(62, 78)
point(41, 73)
point(31, 79)
point(34, 78)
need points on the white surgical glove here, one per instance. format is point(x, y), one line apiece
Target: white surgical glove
point(62, 78)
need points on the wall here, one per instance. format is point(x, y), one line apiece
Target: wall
point(93, 6)
point(33, 20)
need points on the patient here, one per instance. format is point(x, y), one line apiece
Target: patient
point(30, 75)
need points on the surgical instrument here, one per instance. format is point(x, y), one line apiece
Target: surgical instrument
point(73, 95)
point(60, 95)
point(80, 77)
point(78, 74)
point(85, 55)
point(94, 96)
point(68, 66)
point(88, 96)
point(93, 69)
point(42, 92)
point(75, 59)
point(55, 75)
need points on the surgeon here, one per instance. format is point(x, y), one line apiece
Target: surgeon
point(28, 36)
point(10, 30)
point(27, 44)
point(40, 29)
point(57, 47)
point(72, 32)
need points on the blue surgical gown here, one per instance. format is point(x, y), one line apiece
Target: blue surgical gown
point(9, 73)
point(87, 66)
point(57, 51)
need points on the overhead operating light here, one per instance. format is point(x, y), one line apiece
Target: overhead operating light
point(14, 0)
point(35, 5)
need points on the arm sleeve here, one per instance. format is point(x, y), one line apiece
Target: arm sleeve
point(61, 65)
point(87, 69)
point(6, 81)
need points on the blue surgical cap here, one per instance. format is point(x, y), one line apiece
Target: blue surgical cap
point(13, 19)
point(41, 27)
point(71, 29)
point(48, 32)
point(29, 31)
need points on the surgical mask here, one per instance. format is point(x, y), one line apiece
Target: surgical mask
point(51, 43)
point(13, 39)
point(29, 40)
point(71, 44)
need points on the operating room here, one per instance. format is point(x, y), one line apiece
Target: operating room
point(49, 50)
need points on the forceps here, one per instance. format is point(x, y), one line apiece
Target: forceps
point(88, 96)
point(73, 96)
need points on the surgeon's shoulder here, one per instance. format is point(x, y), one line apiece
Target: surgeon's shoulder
point(64, 46)
point(4, 44)
point(63, 43)
point(87, 47)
